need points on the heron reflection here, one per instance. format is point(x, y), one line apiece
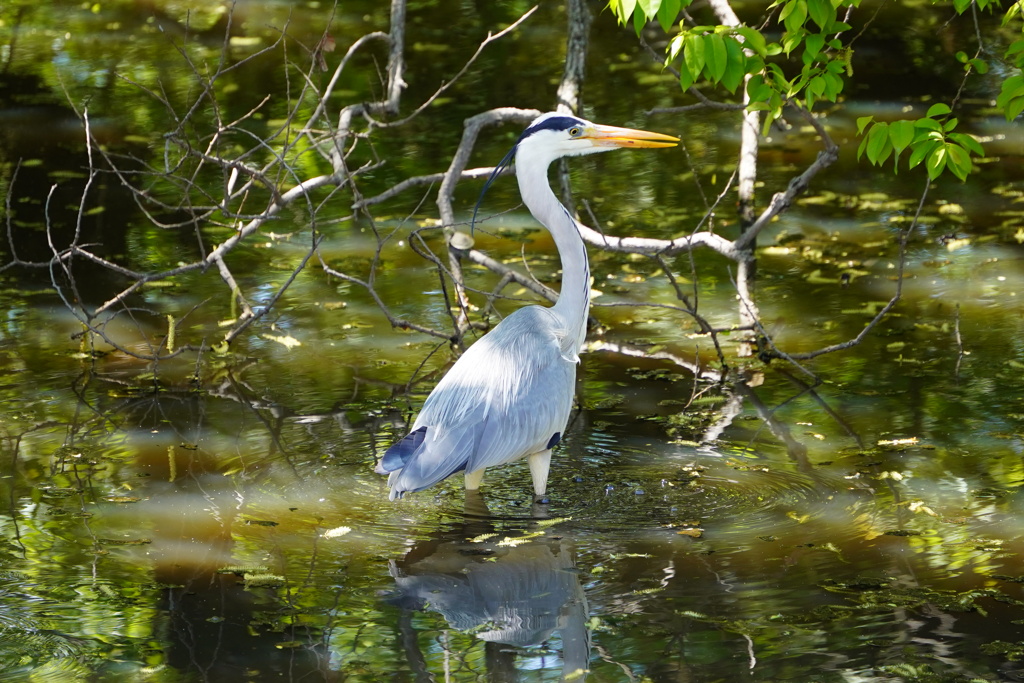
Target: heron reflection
point(508, 586)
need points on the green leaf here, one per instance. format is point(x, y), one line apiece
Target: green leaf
point(920, 150)
point(817, 86)
point(936, 161)
point(693, 54)
point(639, 21)
point(649, 7)
point(938, 109)
point(1013, 11)
point(879, 148)
point(968, 142)
point(836, 66)
point(754, 64)
point(736, 64)
point(715, 56)
point(928, 124)
point(667, 14)
point(794, 14)
point(862, 146)
point(772, 114)
point(777, 74)
point(753, 40)
point(822, 12)
point(835, 86)
point(757, 89)
point(1014, 107)
point(959, 161)
point(674, 46)
point(623, 9)
point(979, 65)
point(950, 125)
point(686, 79)
point(1011, 97)
point(813, 45)
point(862, 122)
point(791, 40)
point(901, 133)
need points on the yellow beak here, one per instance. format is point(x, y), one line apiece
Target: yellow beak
point(610, 136)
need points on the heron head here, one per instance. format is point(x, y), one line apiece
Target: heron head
point(554, 135)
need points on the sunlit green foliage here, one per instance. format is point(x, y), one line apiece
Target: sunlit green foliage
point(930, 139)
point(813, 30)
point(1011, 95)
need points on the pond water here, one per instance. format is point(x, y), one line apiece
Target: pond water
point(216, 517)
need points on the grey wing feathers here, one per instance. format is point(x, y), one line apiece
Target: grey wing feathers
point(504, 399)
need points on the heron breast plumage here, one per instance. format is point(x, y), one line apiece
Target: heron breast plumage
point(504, 399)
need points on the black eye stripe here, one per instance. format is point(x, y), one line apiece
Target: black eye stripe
point(554, 123)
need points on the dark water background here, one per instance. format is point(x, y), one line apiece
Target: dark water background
point(217, 518)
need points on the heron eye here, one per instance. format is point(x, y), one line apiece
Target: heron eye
point(573, 132)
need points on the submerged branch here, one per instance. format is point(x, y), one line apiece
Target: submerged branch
point(884, 311)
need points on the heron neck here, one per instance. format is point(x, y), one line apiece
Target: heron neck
point(573, 302)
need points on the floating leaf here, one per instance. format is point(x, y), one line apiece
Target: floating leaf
point(265, 580)
point(336, 532)
point(286, 341)
point(910, 441)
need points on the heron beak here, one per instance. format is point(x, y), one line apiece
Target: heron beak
point(610, 136)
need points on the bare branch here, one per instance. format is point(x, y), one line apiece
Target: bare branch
point(470, 132)
point(568, 95)
point(417, 181)
point(652, 246)
point(539, 288)
point(444, 86)
point(638, 352)
point(783, 200)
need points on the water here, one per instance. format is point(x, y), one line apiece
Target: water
point(215, 517)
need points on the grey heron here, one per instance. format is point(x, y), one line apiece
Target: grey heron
point(510, 394)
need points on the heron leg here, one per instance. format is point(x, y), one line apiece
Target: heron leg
point(540, 463)
point(474, 479)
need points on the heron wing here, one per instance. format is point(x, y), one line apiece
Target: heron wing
point(504, 399)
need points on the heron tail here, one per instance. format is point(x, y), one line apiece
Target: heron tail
point(400, 452)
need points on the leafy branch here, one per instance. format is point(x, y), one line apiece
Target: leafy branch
point(723, 54)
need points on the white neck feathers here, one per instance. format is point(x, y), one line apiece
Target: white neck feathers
point(573, 303)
